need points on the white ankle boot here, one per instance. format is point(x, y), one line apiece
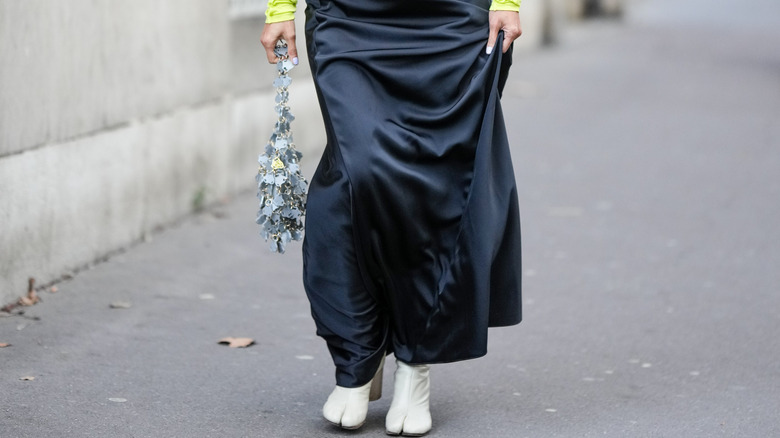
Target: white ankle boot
point(409, 414)
point(348, 407)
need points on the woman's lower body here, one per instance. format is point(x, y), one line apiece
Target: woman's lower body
point(412, 239)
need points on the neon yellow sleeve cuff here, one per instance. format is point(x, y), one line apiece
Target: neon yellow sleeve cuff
point(505, 5)
point(284, 10)
point(280, 10)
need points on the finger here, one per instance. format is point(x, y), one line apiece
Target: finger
point(269, 53)
point(507, 42)
point(269, 42)
point(512, 31)
point(494, 28)
point(292, 49)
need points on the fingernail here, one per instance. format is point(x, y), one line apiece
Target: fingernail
point(488, 49)
point(295, 61)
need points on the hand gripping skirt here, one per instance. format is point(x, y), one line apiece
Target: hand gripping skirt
point(412, 241)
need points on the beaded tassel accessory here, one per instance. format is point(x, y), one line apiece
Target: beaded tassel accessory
point(281, 187)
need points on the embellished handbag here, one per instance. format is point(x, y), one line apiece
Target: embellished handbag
point(281, 188)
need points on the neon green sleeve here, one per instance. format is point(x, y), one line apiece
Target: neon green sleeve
point(284, 10)
point(280, 10)
point(505, 5)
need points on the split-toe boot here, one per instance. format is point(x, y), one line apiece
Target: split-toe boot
point(409, 413)
point(348, 407)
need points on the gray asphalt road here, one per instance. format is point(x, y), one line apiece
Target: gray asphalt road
point(649, 174)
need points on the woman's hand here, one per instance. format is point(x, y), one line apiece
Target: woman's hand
point(272, 33)
point(509, 22)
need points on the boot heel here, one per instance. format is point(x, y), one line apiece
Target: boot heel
point(376, 383)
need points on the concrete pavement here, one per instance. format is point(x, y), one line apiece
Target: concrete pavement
point(647, 164)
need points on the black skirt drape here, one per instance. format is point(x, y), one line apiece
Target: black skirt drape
point(412, 240)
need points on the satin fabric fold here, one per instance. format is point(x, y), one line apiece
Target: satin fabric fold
point(412, 240)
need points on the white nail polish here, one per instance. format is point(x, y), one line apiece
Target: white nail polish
point(488, 50)
point(295, 61)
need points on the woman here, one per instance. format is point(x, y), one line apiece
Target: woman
point(412, 241)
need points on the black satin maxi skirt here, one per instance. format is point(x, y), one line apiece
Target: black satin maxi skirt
point(412, 241)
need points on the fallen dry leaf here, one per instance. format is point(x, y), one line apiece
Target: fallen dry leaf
point(237, 342)
point(27, 301)
point(4, 344)
point(27, 378)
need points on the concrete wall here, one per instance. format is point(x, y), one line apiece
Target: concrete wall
point(116, 116)
point(538, 22)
